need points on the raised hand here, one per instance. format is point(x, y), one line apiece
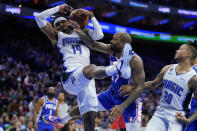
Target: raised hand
point(85, 12)
point(182, 119)
point(66, 9)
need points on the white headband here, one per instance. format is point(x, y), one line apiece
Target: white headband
point(59, 19)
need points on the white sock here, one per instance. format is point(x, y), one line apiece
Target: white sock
point(66, 118)
point(111, 70)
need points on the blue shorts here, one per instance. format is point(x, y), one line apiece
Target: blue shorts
point(193, 125)
point(45, 127)
point(132, 113)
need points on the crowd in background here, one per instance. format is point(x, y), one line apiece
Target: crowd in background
point(28, 64)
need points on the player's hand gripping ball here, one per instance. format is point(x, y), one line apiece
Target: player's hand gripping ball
point(81, 16)
point(66, 9)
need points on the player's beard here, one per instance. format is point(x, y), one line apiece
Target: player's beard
point(50, 94)
point(115, 49)
point(67, 29)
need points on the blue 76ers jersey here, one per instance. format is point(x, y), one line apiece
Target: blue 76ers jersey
point(111, 97)
point(118, 81)
point(48, 108)
point(194, 102)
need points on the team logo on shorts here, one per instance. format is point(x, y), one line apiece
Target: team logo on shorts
point(73, 79)
point(131, 120)
point(130, 52)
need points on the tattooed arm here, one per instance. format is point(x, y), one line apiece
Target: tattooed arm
point(94, 45)
point(125, 90)
point(149, 85)
point(137, 68)
point(192, 85)
point(45, 26)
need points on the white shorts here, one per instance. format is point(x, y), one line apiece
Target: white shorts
point(164, 120)
point(77, 84)
point(133, 126)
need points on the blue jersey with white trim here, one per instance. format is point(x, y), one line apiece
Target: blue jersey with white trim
point(117, 81)
point(194, 102)
point(176, 94)
point(48, 108)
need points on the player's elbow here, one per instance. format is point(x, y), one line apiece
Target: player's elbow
point(40, 22)
point(141, 88)
point(37, 17)
point(98, 36)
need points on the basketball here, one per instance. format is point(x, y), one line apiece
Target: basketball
point(80, 18)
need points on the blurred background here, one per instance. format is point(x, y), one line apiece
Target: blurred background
point(29, 62)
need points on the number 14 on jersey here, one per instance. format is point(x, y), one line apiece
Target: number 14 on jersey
point(76, 48)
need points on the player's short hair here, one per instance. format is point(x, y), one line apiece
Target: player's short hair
point(56, 16)
point(193, 48)
point(125, 37)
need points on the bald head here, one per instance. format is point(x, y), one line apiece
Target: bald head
point(124, 37)
point(52, 89)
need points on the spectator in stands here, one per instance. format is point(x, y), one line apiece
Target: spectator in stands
point(30, 126)
point(62, 110)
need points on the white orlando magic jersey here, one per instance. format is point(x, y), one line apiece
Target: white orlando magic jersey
point(176, 94)
point(74, 53)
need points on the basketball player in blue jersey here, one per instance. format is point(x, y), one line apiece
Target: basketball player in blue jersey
point(47, 105)
point(179, 82)
point(193, 125)
point(111, 97)
point(78, 77)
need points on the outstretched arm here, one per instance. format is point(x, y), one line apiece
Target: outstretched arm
point(137, 68)
point(125, 90)
point(149, 85)
point(45, 26)
point(192, 85)
point(94, 45)
point(97, 33)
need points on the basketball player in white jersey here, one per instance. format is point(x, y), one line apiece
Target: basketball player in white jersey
point(191, 125)
point(79, 75)
point(179, 82)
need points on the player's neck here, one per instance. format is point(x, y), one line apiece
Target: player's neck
point(51, 99)
point(69, 32)
point(184, 65)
